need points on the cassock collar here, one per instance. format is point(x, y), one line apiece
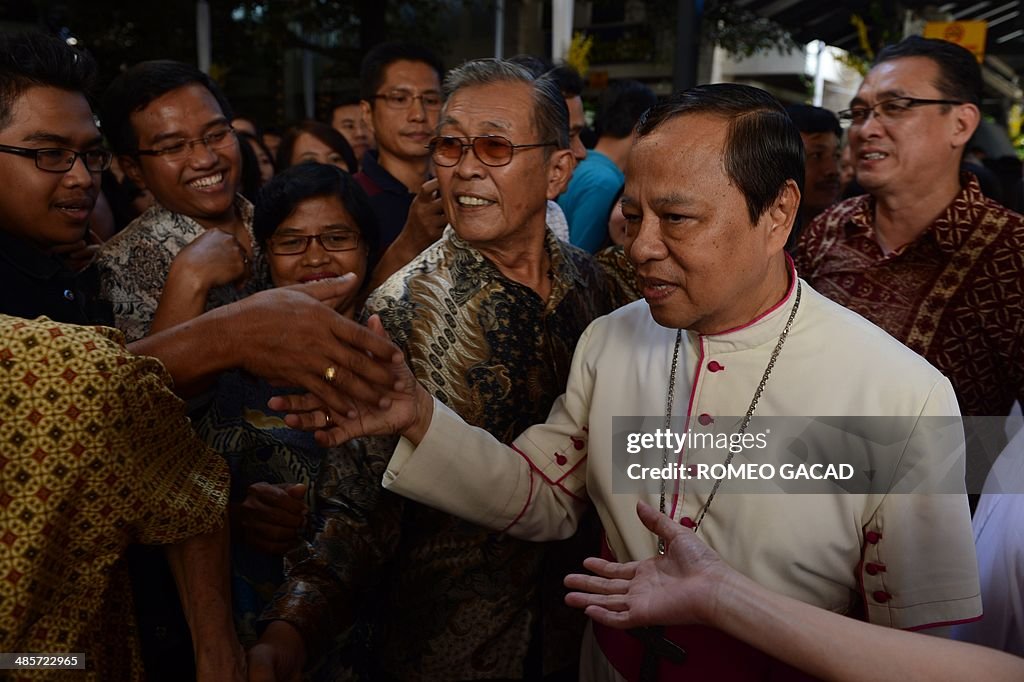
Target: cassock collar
point(763, 329)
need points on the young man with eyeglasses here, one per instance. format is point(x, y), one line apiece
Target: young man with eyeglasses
point(194, 249)
point(400, 86)
point(51, 157)
point(924, 254)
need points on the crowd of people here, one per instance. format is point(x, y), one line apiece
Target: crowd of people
point(338, 401)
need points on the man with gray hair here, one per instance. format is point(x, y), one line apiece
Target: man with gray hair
point(488, 317)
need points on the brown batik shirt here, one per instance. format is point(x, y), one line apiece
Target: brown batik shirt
point(955, 295)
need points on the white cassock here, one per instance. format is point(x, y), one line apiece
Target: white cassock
point(900, 560)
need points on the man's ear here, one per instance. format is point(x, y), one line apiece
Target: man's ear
point(966, 118)
point(560, 167)
point(781, 215)
point(367, 112)
point(130, 166)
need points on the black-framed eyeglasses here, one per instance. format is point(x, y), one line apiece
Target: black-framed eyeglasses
point(492, 150)
point(402, 99)
point(220, 138)
point(59, 160)
point(889, 109)
point(294, 244)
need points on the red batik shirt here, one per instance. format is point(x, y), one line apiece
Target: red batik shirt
point(955, 294)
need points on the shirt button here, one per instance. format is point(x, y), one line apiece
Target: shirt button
point(687, 522)
point(715, 366)
point(873, 569)
point(872, 537)
point(69, 295)
point(705, 419)
point(881, 597)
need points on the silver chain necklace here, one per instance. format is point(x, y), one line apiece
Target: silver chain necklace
point(743, 425)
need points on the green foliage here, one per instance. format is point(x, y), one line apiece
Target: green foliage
point(742, 31)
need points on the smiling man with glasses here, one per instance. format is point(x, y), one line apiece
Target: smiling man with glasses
point(924, 254)
point(193, 250)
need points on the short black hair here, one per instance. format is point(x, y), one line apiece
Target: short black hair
point(35, 59)
point(321, 131)
point(959, 73)
point(763, 148)
point(287, 190)
point(810, 119)
point(567, 78)
point(621, 106)
point(380, 57)
point(134, 89)
point(344, 99)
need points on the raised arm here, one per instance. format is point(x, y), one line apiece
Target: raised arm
point(289, 336)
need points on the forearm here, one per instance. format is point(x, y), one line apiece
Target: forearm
point(464, 471)
point(200, 565)
point(832, 647)
point(195, 351)
point(183, 298)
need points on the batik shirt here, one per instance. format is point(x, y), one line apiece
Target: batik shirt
point(135, 263)
point(450, 600)
point(954, 295)
point(95, 453)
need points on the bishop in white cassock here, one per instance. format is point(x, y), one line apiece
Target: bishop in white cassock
point(711, 192)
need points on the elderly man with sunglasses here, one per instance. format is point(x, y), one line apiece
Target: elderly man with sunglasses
point(488, 317)
point(924, 254)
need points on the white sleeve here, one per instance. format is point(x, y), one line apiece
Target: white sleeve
point(534, 489)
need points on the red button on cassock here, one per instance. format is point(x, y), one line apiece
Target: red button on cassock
point(715, 366)
point(872, 537)
point(687, 522)
point(873, 569)
point(881, 597)
point(705, 419)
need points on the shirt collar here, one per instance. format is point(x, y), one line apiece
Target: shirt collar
point(372, 169)
point(766, 327)
point(950, 229)
point(30, 259)
point(565, 275)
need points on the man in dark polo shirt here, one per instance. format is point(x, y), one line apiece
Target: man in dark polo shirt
point(400, 86)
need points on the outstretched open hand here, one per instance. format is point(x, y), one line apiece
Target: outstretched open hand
point(678, 588)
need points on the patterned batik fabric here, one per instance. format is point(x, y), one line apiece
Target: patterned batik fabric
point(450, 600)
point(259, 448)
point(134, 265)
point(96, 453)
point(955, 295)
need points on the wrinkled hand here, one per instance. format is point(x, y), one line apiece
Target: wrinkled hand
point(271, 516)
point(679, 588)
point(212, 259)
point(407, 410)
point(427, 219)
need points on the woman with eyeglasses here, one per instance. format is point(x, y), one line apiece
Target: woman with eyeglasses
point(313, 222)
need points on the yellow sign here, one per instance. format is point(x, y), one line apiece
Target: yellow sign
point(967, 34)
